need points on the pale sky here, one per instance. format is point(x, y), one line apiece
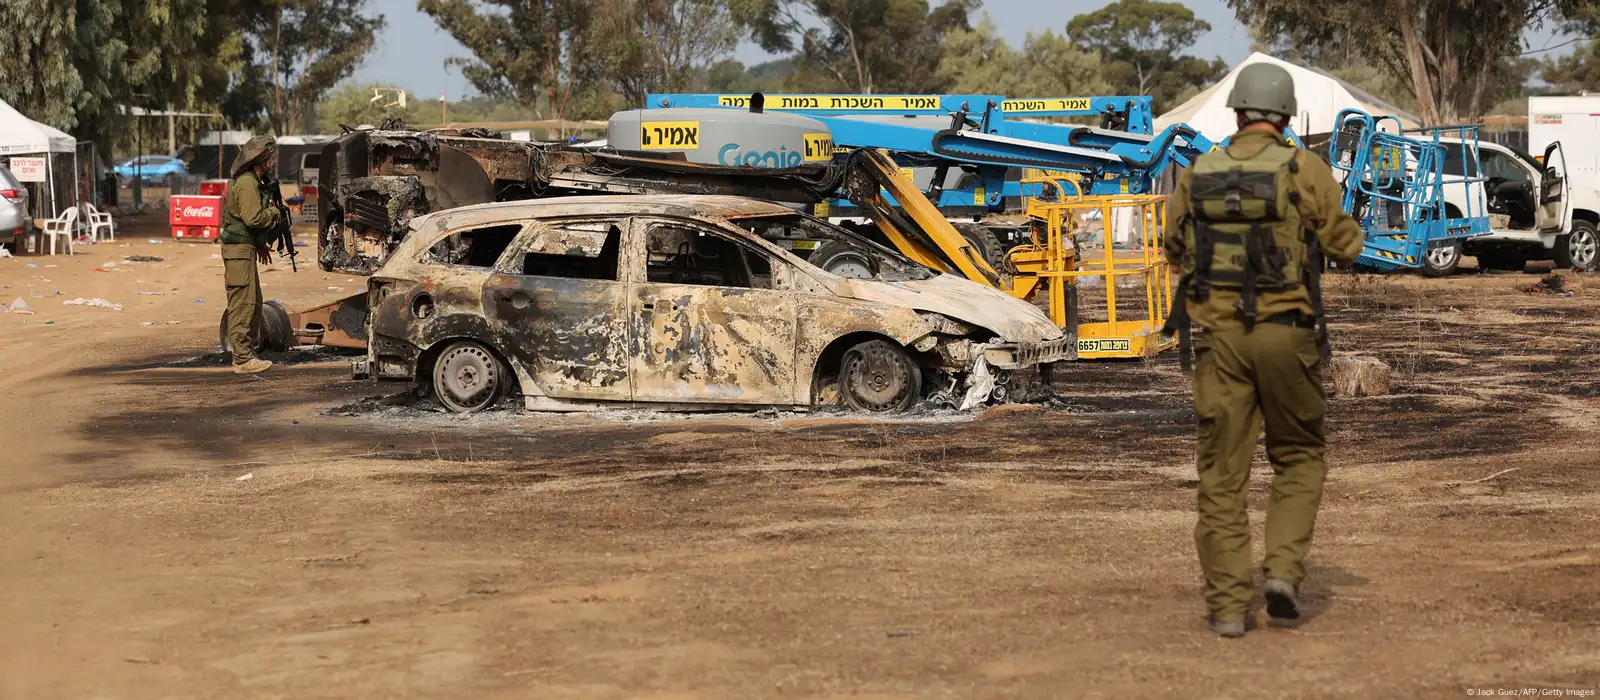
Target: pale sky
point(411, 51)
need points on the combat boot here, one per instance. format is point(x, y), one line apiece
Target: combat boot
point(1283, 606)
point(1227, 629)
point(253, 366)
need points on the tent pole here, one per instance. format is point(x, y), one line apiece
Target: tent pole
point(50, 175)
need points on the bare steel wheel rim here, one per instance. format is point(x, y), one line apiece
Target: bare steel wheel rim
point(877, 378)
point(851, 266)
point(1583, 246)
point(467, 378)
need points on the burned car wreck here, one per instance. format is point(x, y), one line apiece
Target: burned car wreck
point(689, 301)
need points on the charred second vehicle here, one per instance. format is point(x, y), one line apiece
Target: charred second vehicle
point(582, 302)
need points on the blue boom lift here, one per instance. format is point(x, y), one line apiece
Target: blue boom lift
point(1394, 187)
point(979, 141)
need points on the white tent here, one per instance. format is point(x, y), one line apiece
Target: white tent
point(20, 135)
point(1320, 97)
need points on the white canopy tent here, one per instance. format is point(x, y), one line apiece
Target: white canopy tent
point(1320, 96)
point(21, 136)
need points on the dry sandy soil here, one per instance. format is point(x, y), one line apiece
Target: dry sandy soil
point(391, 551)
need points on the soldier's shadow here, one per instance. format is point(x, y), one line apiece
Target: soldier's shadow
point(1320, 591)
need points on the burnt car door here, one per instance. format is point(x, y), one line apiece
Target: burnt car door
point(559, 306)
point(713, 318)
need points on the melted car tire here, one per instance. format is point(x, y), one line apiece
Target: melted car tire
point(468, 378)
point(878, 376)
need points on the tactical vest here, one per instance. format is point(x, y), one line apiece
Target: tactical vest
point(233, 228)
point(1244, 227)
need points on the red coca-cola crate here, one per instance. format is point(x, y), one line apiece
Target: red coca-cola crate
point(215, 187)
point(196, 216)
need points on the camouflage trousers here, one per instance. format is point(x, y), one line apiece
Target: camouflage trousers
point(243, 281)
point(1271, 375)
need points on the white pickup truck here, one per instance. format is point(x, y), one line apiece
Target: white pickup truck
point(1531, 211)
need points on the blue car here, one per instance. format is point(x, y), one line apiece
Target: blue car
point(150, 168)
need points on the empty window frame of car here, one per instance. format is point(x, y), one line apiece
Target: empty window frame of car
point(681, 252)
point(477, 247)
point(810, 238)
point(572, 249)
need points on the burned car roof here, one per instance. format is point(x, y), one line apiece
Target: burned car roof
point(671, 204)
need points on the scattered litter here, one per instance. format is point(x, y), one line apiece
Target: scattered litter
point(58, 292)
point(109, 263)
point(199, 301)
point(31, 266)
point(52, 323)
point(336, 289)
point(96, 302)
point(154, 241)
point(141, 258)
point(4, 253)
point(148, 324)
point(246, 477)
point(100, 269)
point(45, 266)
point(173, 323)
point(18, 306)
point(150, 294)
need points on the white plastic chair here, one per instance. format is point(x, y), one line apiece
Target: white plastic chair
point(64, 225)
point(98, 221)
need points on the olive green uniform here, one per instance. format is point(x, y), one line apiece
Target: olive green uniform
point(1271, 373)
point(248, 218)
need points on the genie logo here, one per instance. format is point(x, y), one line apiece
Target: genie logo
point(734, 154)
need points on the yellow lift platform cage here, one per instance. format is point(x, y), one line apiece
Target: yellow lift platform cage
point(1053, 263)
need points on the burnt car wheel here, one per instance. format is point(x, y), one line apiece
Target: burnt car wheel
point(878, 376)
point(468, 378)
point(271, 333)
point(841, 260)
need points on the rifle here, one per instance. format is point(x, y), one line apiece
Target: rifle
point(281, 234)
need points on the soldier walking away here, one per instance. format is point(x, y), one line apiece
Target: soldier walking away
point(249, 217)
point(1251, 223)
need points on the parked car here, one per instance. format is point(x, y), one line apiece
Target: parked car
point(1530, 210)
point(150, 167)
point(685, 300)
point(14, 219)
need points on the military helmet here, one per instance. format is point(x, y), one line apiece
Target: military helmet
point(1263, 87)
point(255, 150)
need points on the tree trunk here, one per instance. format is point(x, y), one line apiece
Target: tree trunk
point(1421, 84)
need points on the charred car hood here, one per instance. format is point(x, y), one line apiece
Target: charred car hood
point(963, 300)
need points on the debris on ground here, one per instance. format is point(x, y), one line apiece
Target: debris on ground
point(148, 324)
point(154, 241)
point(96, 302)
point(199, 301)
point(32, 266)
point(1360, 375)
point(1008, 410)
point(1552, 284)
point(4, 253)
point(150, 294)
point(18, 306)
point(246, 477)
point(141, 258)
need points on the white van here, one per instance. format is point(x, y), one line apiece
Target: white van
point(1572, 122)
point(1529, 208)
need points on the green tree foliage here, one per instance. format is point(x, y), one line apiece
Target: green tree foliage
point(1574, 72)
point(1452, 55)
point(661, 45)
point(863, 46)
point(978, 60)
point(37, 73)
point(1142, 44)
point(302, 48)
point(536, 52)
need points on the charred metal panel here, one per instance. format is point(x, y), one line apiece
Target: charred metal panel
point(570, 334)
point(713, 344)
point(824, 319)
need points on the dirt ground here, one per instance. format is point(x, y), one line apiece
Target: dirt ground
point(171, 530)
